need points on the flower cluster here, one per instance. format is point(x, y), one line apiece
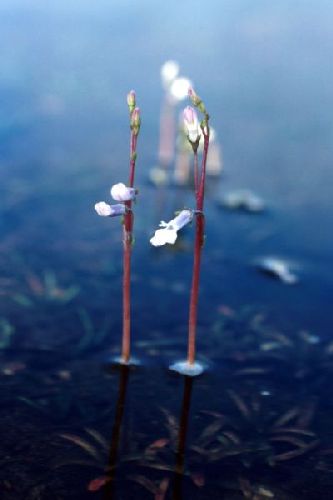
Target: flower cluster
point(119, 192)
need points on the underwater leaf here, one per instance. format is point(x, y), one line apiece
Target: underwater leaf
point(172, 425)
point(101, 334)
point(98, 483)
point(245, 487)
point(65, 462)
point(70, 293)
point(156, 465)
point(6, 333)
point(306, 415)
point(295, 430)
point(22, 300)
point(198, 479)
point(251, 371)
point(232, 437)
point(199, 450)
point(287, 417)
point(33, 404)
point(244, 410)
point(289, 439)
point(87, 338)
point(210, 431)
point(35, 284)
point(85, 445)
point(293, 453)
point(159, 443)
point(99, 438)
point(50, 282)
point(164, 484)
point(145, 482)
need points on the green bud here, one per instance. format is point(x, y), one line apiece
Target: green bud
point(135, 121)
point(131, 101)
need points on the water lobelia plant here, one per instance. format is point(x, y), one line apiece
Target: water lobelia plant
point(125, 195)
point(168, 233)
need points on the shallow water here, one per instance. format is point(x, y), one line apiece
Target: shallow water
point(257, 423)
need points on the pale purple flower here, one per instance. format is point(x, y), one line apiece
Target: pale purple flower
point(120, 192)
point(105, 210)
point(169, 232)
point(191, 124)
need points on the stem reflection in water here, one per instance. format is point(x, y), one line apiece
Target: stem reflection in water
point(183, 427)
point(116, 429)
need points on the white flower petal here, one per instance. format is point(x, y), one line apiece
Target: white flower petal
point(169, 232)
point(103, 209)
point(163, 236)
point(120, 192)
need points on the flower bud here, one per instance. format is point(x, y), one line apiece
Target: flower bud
point(120, 192)
point(191, 124)
point(135, 121)
point(105, 210)
point(196, 101)
point(131, 101)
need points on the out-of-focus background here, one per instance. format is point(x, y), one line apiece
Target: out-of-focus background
point(265, 74)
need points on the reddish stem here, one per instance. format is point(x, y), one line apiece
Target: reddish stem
point(201, 195)
point(127, 244)
point(196, 174)
point(192, 327)
point(198, 244)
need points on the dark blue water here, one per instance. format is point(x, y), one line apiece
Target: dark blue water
point(257, 424)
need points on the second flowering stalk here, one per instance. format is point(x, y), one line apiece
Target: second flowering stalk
point(135, 122)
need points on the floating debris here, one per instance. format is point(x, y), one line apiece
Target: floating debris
point(277, 268)
point(243, 200)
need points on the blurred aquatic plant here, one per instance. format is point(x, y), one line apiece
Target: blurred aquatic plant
point(258, 434)
point(242, 200)
point(176, 89)
point(6, 333)
point(92, 336)
point(100, 453)
point(125, 195)
point(46, 288)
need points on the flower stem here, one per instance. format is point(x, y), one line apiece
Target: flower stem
point(198, 244)
point(127, 253)
point(192, 327)
point(196, 174)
